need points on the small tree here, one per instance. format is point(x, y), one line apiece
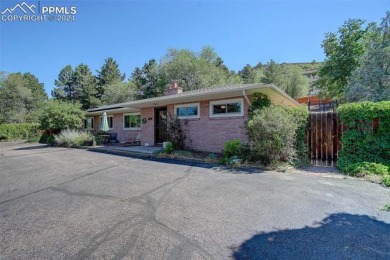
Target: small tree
point(272, 136)
point(61, 115)
point(177, 132)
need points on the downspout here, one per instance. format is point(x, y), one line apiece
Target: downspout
point(246, 97)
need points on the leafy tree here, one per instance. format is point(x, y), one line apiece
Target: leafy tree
point(371, 80)
point(288, 77)
point(272, 72)
point(37, 89)
point(108, 74)
point(293, 82)
point(119, 92)
point(65, 89)
point(191, 70)
point(342, 50)
point(21, 95)
point(58, 114)
point(86, 91)
point(248, 74)
point(148, 80)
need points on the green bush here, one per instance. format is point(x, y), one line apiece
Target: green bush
point(13, 132)
point(169, 147)
point(366, 168)
point(61, 115)
point(386, 180)
point(272, 136)
point(361, 142)
point(72, 138)
point(99, 140)
point(259, 101)
point(47, 138)
point(182, 154)
point(301, 115)
point(233, 148)
point(211, 157)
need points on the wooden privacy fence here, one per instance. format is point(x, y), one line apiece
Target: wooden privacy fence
point(323, 137)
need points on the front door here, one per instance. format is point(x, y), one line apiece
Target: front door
point(161, 124)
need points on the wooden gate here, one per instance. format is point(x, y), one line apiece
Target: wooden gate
point(323, 137)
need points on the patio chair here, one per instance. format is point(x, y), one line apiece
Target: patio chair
point(112, 138)
point(134, 142)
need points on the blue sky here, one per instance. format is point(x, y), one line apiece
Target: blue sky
point(132, 32)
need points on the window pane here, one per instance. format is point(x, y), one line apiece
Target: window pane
point(234, 108)
point(127, 122)
point(187, 111)
point(192, 111)
point(182, 111)
point(89, 123)
point(135, 121)
point(219, 109)
point(110, 121)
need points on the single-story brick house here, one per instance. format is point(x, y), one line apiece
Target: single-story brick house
point(214, 115)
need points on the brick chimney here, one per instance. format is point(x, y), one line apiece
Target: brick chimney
point(173, 89)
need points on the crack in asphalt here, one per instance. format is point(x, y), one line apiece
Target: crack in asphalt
point(23, 155)
point(138, 222)
point(58, 184)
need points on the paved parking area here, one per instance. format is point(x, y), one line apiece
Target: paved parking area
point(58, 203)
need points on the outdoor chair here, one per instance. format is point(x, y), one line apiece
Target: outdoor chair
point(134, 142)
point(112, 138)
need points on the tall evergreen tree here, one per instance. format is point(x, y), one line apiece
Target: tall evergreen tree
point(148, 80)
point(85, 86)
point(65, 89)
point(108, 74)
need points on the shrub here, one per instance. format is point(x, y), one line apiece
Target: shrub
point(61, 115)
point(169, 147)
point(259, 101)
point(366, 168)
point(99, 140)
point(177, 132)
point(72, 138)
point(233, 148)
point(13, 132)
point(211, 157)
point(361, 141)
point(272, 136)
point(182, 154)
point(47, 138)
point(386, 180)
point(301, 115)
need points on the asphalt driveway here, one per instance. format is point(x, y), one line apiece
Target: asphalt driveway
point(58, 203)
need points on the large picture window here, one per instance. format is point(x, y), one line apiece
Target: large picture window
point(132, 121)
point(110, 121)
point(88, 123)
point(187, 111)
point(227, 108)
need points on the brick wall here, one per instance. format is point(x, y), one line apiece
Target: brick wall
point(210, 134)
point(147, 130)
point(117, 127)
point(204, 133)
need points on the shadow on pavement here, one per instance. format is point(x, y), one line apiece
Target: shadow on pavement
point(338, 236)
point(34, 147)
